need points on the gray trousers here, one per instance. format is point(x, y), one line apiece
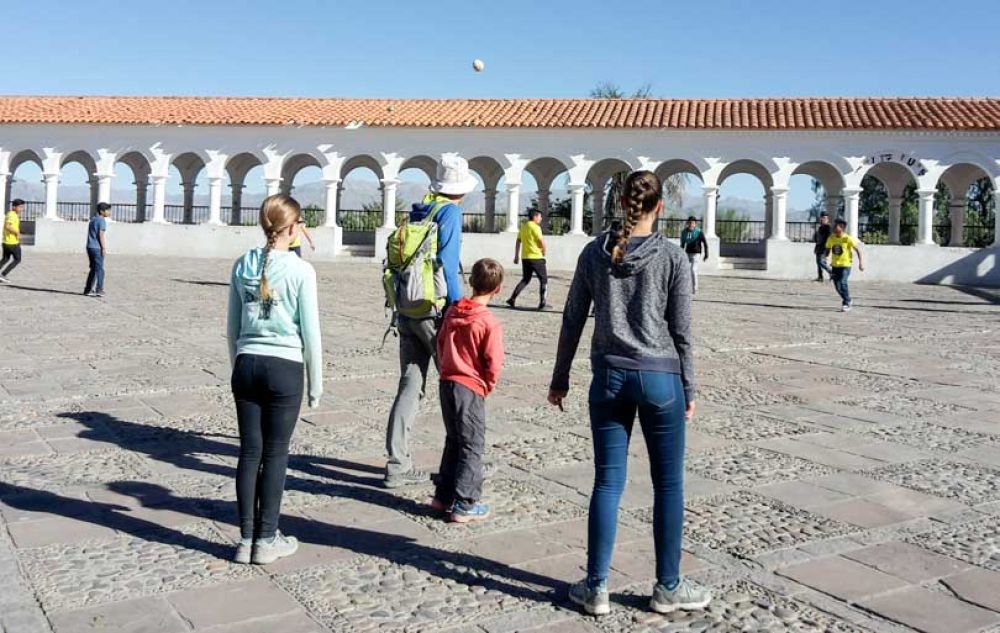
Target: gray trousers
point(417, 348)
point(460, 477)
point(693, 259)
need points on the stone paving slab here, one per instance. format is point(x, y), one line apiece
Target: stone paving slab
point(859, 444)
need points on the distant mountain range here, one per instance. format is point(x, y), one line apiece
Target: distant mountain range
point(361, 192)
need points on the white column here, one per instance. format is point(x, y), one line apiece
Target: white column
point(708, 219)
point(331, 192)
point(215, 200)
point(273, 186)
point(597, 204)
point(956, 209)
point(104, 187)
point(389, 187)
point(768, 213)
point(925, 219)
point(159, 199)
point(852, 201)
point(895, 217)
point(51, 196)
point(778, 228)
point(996, 216)
point(513, 204)
point(490, 194)
point(3, 191)
point(576, 214)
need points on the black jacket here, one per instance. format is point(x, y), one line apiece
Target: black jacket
point(820, 237)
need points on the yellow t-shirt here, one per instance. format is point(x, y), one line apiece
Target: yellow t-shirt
point(841, 250)
point(12, 220)
point(297, 241)
point(531, 241)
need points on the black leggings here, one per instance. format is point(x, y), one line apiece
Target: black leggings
point(268, 394)
point(10, 251)
point(531, 267)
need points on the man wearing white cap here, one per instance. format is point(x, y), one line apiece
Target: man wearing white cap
point(418, 337)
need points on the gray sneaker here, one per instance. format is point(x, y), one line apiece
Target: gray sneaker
point(271, 549)
point(243, 551)
point(686, 596)
point(593, 601)
point(409, 478)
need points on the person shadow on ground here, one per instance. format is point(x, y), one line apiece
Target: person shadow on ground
point(449, 565)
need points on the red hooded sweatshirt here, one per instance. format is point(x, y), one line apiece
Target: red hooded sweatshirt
point(470, 347)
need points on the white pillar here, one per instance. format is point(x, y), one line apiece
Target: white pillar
point(51, 196)
point(708, 219)
point(104, 187)
point(778, 228)
point(996, 216)
point(215, 200)
point(956, 210)
point(273, 186)
point(490, 194)
point(768, 213)
point(389, 187)
point(925, 219)
point(597, 205)
point(3, 191)
point(852, 201)
point(159, 199)
point(513, 204)
point(895, 217)
point(331, 187)
point(576, 214)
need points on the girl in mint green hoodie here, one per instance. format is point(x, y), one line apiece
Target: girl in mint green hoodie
point(273, 330)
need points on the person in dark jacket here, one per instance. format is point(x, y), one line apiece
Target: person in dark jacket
point(820, 237)
point(696, 246)
point(643, 362)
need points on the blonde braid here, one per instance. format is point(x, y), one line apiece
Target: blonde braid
point(265, 288)
point(277, 213)
point(642, 193)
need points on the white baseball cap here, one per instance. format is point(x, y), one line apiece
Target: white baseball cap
point(453, 177)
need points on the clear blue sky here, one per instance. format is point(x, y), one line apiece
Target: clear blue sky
point(557, 48)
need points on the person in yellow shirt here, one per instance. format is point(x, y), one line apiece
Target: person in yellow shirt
point(529, 251)
point(296, 245)
point(11, 239)
point(840, 248)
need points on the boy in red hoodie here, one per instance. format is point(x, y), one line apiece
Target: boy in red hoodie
point(470, 356)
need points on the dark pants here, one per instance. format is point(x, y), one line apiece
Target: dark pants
point(95, 278)
point(839, 277)
point(460, 477)
point(297, 250)
point(417, 348)
point(10, 252)
point(537, 268)
point(615, 397)
point(821, 265)
point(268, 394)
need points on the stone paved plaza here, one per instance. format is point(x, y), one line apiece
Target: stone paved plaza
point(843, 470)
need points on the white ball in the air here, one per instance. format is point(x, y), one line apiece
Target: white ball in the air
point(478, 65)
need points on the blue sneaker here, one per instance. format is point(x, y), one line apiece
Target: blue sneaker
point(463, 512)
point(593, 601)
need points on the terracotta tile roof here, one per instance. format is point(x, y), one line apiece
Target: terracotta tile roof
point(744, 114)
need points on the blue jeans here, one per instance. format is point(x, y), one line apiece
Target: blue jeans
point(95, 278)
point(840, 276)
point(821, 265)
point(615, 397)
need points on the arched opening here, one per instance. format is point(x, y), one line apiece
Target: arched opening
point(743, 215)
point(682, 195)
point(971, 206)
point(815, 187)
point(485, 210)
point(186, 178)
point(888, 209)
point(246, 189)
point(359, 207)
point(602, 198)
point(129, 188)
point(302, 178)
point(544, 186)
point(415, 176)
point(25, 182)
point(77, 187)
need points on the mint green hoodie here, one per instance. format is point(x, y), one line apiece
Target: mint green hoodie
point(290, 329)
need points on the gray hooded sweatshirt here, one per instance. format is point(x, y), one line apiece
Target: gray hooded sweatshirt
point(642, 310)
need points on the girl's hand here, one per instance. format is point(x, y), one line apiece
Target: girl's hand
point(689, 411)
point(556, 398)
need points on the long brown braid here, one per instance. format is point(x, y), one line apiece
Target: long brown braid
point(641, 194)
point(277, 213)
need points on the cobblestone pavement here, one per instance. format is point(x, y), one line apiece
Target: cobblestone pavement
point(843, 470)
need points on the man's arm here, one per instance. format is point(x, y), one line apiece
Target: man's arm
point(450, 249)
point(9, 226)
point(541, 243)
point(517, 250)
point(104, 242)
point(309, 238)
point(861, 259)
point(704, 245)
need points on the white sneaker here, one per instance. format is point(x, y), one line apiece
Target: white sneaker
point(269, 550)
point(243, 551)
point(686, 596)
point(4, 280)
point(845, 308)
